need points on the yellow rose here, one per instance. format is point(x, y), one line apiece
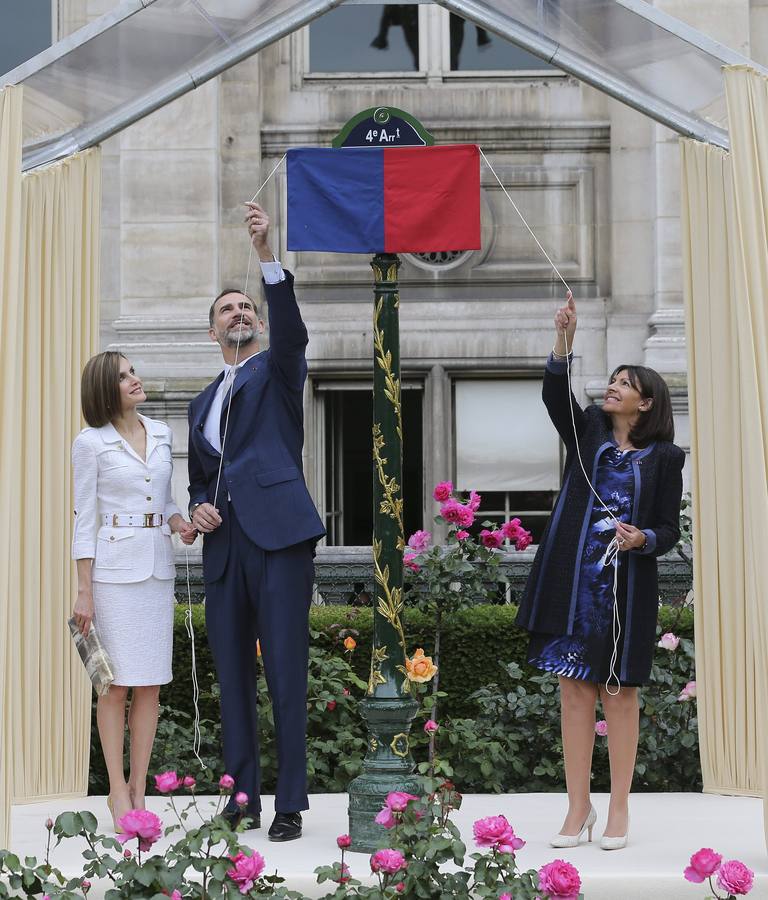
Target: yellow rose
point(350, 643)
point(420, 668)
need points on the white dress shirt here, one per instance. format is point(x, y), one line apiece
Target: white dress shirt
point(273, 274)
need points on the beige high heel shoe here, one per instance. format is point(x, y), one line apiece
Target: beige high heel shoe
point(615, 843)
point(572, 840)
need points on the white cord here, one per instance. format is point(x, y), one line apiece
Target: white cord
point(610, 558)
point(197, 740)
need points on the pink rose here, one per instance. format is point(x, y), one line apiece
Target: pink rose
point(400, 887)
point(491, 539)
point(49, 824)
point(176, 895)
point(669, 641)
point(385, 818)
point(408, 560)
point(511, 844)
point(189, 782)
point(457, 514)
point(85, 886)
point(430, 726)
point(246, 870)
point(492, 831)
point(733, 876)
point(398, 801)
point(474, 501)
point(511, 529)
point(387, 861)
point(601, 728)
point(559, 879)
point(442, 491)
point(420, 540)
point(226, 783)
point(330, 705)
point(462, 535)
point(167, 782)
point(141, 824)
point(346, 692)
point(704, 864)
point(127, 853)
point(505, 896)
point(688, 692)
point(343, 841)
point(241, 798)
point(524, 539)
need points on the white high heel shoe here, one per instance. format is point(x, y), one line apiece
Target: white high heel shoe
point(572, 840)
point(615, 843)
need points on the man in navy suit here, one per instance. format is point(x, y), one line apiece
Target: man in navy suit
point(260, 528)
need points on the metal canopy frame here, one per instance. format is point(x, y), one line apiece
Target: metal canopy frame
point(53, 75)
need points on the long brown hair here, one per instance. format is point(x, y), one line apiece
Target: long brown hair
point(657, 423)
point(100, 388)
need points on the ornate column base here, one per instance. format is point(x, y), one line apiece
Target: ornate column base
point(388, 766)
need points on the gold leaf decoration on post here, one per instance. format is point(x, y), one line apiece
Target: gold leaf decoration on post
point(384, 360)
point(392, 504)
point(390, 605)
point(378, 655)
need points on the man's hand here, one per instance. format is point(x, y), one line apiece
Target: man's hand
point(206, 518)
point(258, 228)
point(83, 610)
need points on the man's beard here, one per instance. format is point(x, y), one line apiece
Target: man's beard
point(239, 336)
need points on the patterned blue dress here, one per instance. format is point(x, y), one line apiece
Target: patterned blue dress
point(586, 654)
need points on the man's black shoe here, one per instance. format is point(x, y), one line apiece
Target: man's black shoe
point(234, 817)
point(286, 827)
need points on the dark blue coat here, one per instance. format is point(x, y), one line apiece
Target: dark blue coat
point(549, 601)
point(262, 470)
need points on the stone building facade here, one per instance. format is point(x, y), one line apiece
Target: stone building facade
point(597, 181)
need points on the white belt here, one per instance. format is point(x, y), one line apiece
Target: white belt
point(133, 520)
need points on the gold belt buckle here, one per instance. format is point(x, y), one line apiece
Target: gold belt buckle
point(149, 520)
point(114, 520)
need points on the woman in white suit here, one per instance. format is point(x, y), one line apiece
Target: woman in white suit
point(124, 516)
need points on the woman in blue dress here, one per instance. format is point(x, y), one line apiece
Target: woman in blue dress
point(591, 600)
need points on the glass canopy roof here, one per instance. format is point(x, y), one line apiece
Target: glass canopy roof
point(146, 53)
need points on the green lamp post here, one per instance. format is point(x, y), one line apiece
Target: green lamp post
point(388, 708)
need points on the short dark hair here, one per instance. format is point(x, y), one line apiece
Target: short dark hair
point(229, 290)
point(657, 424)
point(100, 388)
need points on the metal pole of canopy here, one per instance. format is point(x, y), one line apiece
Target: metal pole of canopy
point(545, 48)
point(99, 130)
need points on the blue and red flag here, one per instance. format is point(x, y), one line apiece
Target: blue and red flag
point(384, 199)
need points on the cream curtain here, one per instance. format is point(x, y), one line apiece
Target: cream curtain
point(50, 328)
point(725, 263)
point(10, 492)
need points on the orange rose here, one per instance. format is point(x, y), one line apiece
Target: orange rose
point(420, 668)
point(258, 648)
point(350, 643)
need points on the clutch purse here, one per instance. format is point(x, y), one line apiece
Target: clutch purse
point(95, 658)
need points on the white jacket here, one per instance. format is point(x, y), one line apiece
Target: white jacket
point(109, 478)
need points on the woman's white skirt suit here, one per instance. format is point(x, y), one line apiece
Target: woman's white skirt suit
point(117, 494)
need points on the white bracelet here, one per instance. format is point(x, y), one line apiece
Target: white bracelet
point(560, 355)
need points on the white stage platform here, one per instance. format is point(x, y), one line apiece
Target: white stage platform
point(666, 829)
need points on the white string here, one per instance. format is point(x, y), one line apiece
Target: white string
point(197, 740)
point(610, 558)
